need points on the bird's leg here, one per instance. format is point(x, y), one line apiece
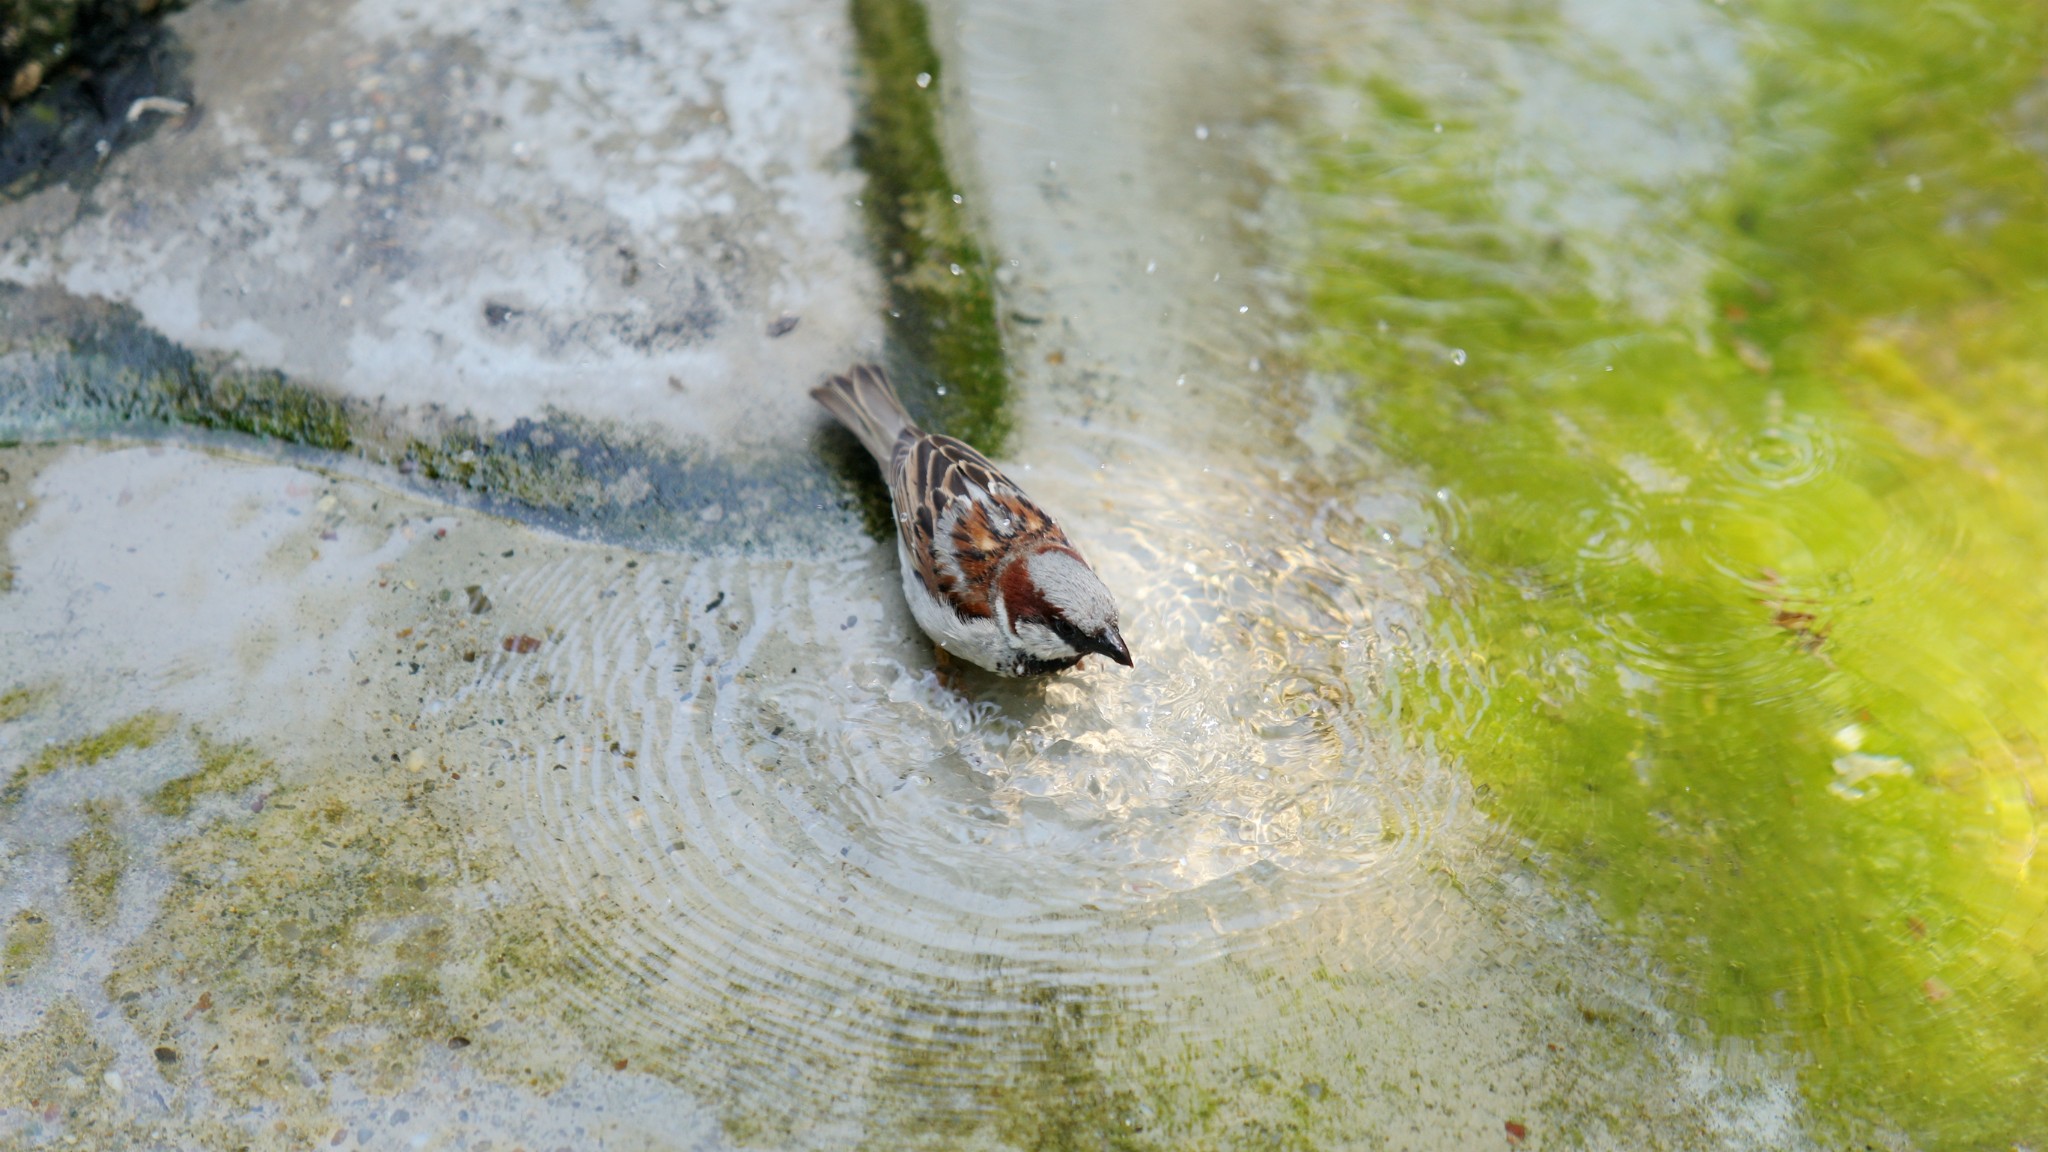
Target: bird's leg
point(945, 669)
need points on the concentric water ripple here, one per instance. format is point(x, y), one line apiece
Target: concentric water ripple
point(781, 823)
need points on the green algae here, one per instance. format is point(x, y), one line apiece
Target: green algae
point(58, 1069)
point(221, 768)
point(79, 368)
point(98, 858)
point(89, 362)
point(517, 472)
point(941, 283)
point(259, 403)
point(332, 924)
point(1748, 635)
point(312, 930)
point(1063, 1102)
point(29, 937)
point(16, 703)
point(139, 731)
point(1034, 1078)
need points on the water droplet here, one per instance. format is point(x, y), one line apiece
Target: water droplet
point(1151, 266)
point(1439, 129)
point(924, 79)
point(1243, 308)
point(1913, 182)
point(957, 199)
point(1182, 382)
point(955, 268)
point(1458, 356)
point(1201, 131)
point(942, 389)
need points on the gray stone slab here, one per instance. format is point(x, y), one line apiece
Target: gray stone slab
point(612, 210)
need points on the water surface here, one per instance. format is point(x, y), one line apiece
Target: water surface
point(1567, 473)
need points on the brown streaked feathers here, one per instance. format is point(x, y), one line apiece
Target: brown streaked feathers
point(962, 517)
point(988, 575)
point(958, 512)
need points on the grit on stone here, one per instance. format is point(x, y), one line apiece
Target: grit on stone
point(612, 210)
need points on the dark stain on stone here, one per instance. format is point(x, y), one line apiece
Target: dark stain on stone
point(80, 114)
point(80, 368)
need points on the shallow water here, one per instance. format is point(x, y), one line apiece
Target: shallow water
point(1574, 547)
point(1747, 639)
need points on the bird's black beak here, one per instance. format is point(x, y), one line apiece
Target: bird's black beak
point(1112, 645)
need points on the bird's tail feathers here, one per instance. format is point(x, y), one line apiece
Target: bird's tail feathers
point(864, 401)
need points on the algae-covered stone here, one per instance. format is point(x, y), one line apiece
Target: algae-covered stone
point(18, 702)
point(1744, 473)
point(29, 935)
point(97, 860)
point(334, 928)
point(941, 280)
point(139, 731)
point(222, 768)
point(61, 1064)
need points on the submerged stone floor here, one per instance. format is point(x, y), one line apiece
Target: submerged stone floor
point(339, 810)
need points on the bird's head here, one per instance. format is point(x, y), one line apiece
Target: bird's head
point(1059, 609)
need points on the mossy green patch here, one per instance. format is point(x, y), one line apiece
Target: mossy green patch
point(519, 472)
point(283, 957)
point(58, 1069)
point(139, 731)
point(1750, 632)
point(29, 935)
point(259, 403)
point(322, 928)
point(1062, 1102)
point(16, 703)
point(941, 283)
point(221, 768)
point(1036, 1082)
point(98, 858)
point(81, 368)
point(97, 362)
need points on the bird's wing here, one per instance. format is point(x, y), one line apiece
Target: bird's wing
point(960, 516)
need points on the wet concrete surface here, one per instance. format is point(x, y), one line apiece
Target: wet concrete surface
point(393, 820)
point(505, 209)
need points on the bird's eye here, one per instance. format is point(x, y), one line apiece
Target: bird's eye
point(1065, 630)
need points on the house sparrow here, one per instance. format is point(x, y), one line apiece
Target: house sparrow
point(988, 574)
